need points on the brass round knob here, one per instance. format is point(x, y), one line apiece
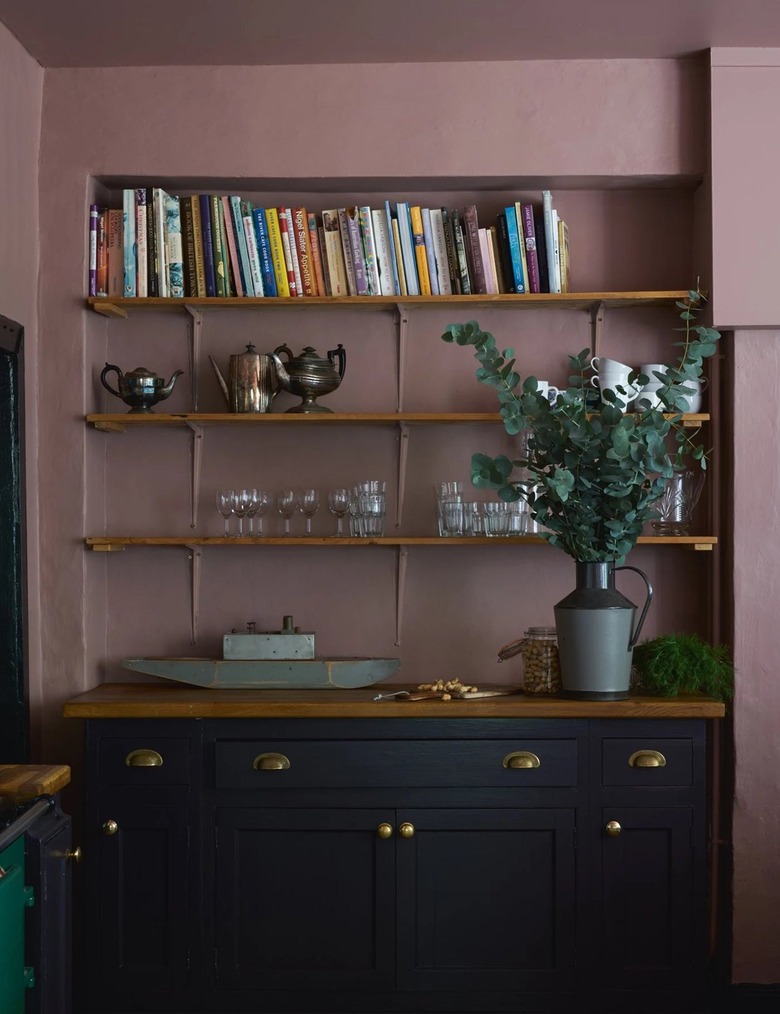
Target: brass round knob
point(109, 827)
point(406, 830)
point(74, 854)
point(385, 830)
point(613, 829)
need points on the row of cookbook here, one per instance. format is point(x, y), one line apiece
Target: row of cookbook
point(160, 244)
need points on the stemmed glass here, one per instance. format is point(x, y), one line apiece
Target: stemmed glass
point(225, 507)
point(308, 505)
point(338, 504)
point(286, 504)
point(261, 501)
point(242, 503)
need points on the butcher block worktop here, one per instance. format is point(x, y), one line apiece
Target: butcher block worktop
point(157, 700)
point(20, 782)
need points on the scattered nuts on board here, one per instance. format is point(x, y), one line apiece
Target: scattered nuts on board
point(449, 688)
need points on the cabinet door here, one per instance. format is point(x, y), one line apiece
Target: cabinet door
point(137, 926)
point(304, 899)
point(648, 898)
point(486, 899)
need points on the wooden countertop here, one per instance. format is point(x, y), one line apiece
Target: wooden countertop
point(20, 782)
point(153, 700)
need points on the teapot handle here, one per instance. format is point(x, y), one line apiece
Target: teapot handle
point(648, 600)
point(340, 353)
point(108, 368)
point(284, 348)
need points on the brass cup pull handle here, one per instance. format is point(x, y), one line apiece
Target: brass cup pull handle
point(647, 759)
point(406, 830)
point(385, 831)
point(109, 827)
point(74, 854)
point(271, 762)
point(613, 829)
point(144, 759)
point(521, 759)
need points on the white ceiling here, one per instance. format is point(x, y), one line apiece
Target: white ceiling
point(113, 33)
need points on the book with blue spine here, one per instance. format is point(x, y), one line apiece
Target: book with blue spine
point(264, 251)
point(253, 254)
point(393, 256)
point(243, 249)
point(128, 235)
point(520, 283)
point(407, 247)
point(204, 200)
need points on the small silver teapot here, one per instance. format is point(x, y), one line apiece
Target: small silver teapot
point(310, 376)
point(140, 388)
point(251, 381)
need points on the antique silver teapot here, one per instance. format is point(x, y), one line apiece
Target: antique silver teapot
point(140, 388)
point(309, 375)
point(251, 383)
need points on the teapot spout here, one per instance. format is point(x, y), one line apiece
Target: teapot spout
point(168, 389)
point(221, 379)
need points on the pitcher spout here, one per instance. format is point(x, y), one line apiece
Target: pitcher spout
point(221, 379)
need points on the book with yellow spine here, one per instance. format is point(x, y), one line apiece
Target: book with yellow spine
point(277, 253)
point(419, 250)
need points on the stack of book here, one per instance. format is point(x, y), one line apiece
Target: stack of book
point(159, 244)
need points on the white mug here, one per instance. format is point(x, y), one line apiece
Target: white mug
point(602, 365)
point(547, 390)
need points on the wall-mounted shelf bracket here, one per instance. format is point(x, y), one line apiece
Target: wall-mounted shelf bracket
point(195, 329)
point(402, 324)
point(596, 314)
point(402, 554)
point(197, 457)
point(403, 454)
point(194, 555)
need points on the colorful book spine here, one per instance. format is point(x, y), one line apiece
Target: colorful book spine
point(116, 253)
point(152, 253)
point(267, 263)
point(399, 257)
point(529, 236)
point(504, 254)
point(491, 286)
point(516, 261)
point(327, 291)
point(473, 252)
point(243, 249)
point(141, 243)
point(460, 251)
point(94, 215)
point(218, 239)
point(316, 254)
point(420, 256)
point(520, 232)
point(556, 251)
point(128, 237)
point(173, 248)
point(300, 223)
point(430, 252)
point(383, 256)
point(563, 255)
point(101, 270)
point(334, 253)
point(197, 229)
point(209, 273)
point(550, 242)
point(541, 247)
point(407, 247)
point(393, 253)
point(277, 252)
point(288, 248)
point(253, 254)
point(235, 274)
point(369, 250)
point(356, 246)
point(188, 246)
point(346, 249)
point(440, 251)
point(452, 260)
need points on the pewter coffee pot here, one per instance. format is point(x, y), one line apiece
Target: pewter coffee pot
point(309, 375)
point(251, 383)
point(140, 388)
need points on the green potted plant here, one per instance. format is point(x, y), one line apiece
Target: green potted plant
point(591, 477)
point(684, 663)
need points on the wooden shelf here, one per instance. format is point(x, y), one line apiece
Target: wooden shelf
point(108, 544)
point(110, 307)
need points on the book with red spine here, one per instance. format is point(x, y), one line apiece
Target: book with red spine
point(316, 254)
point(473, 252)
point(531, 253)
point(300, 223)
point(287, 250)
point(115, 253)
point(101, 277)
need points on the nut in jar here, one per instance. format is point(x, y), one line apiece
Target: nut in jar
point(539, 651)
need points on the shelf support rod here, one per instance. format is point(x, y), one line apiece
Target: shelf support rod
point(195, 325)
point(194, 555)
point(402, 323)
point(400, 587)
point(403, 455)
point(197, 457)
point(597, 327)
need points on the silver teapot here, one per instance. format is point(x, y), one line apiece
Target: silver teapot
point(309, 375)
point(140, 388)
point(252, 381)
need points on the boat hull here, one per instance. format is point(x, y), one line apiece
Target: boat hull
point(288, 674)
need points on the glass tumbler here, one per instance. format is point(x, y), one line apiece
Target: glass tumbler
point(496, 518)
point(677, 502)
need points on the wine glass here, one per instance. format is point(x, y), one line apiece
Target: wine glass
point(242, 501)
point(225, 507)
point(261, 501)
point(286, 505)
point(338, 504)
point(308, 505)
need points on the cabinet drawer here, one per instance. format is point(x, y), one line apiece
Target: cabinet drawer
point(143, 760)
point(240, 764)
point(647, 761)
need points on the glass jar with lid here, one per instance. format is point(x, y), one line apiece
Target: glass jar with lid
point(538, 649)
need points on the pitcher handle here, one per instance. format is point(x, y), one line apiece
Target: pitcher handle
point(108, 368)
point(341, 354)
point(648, 600)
